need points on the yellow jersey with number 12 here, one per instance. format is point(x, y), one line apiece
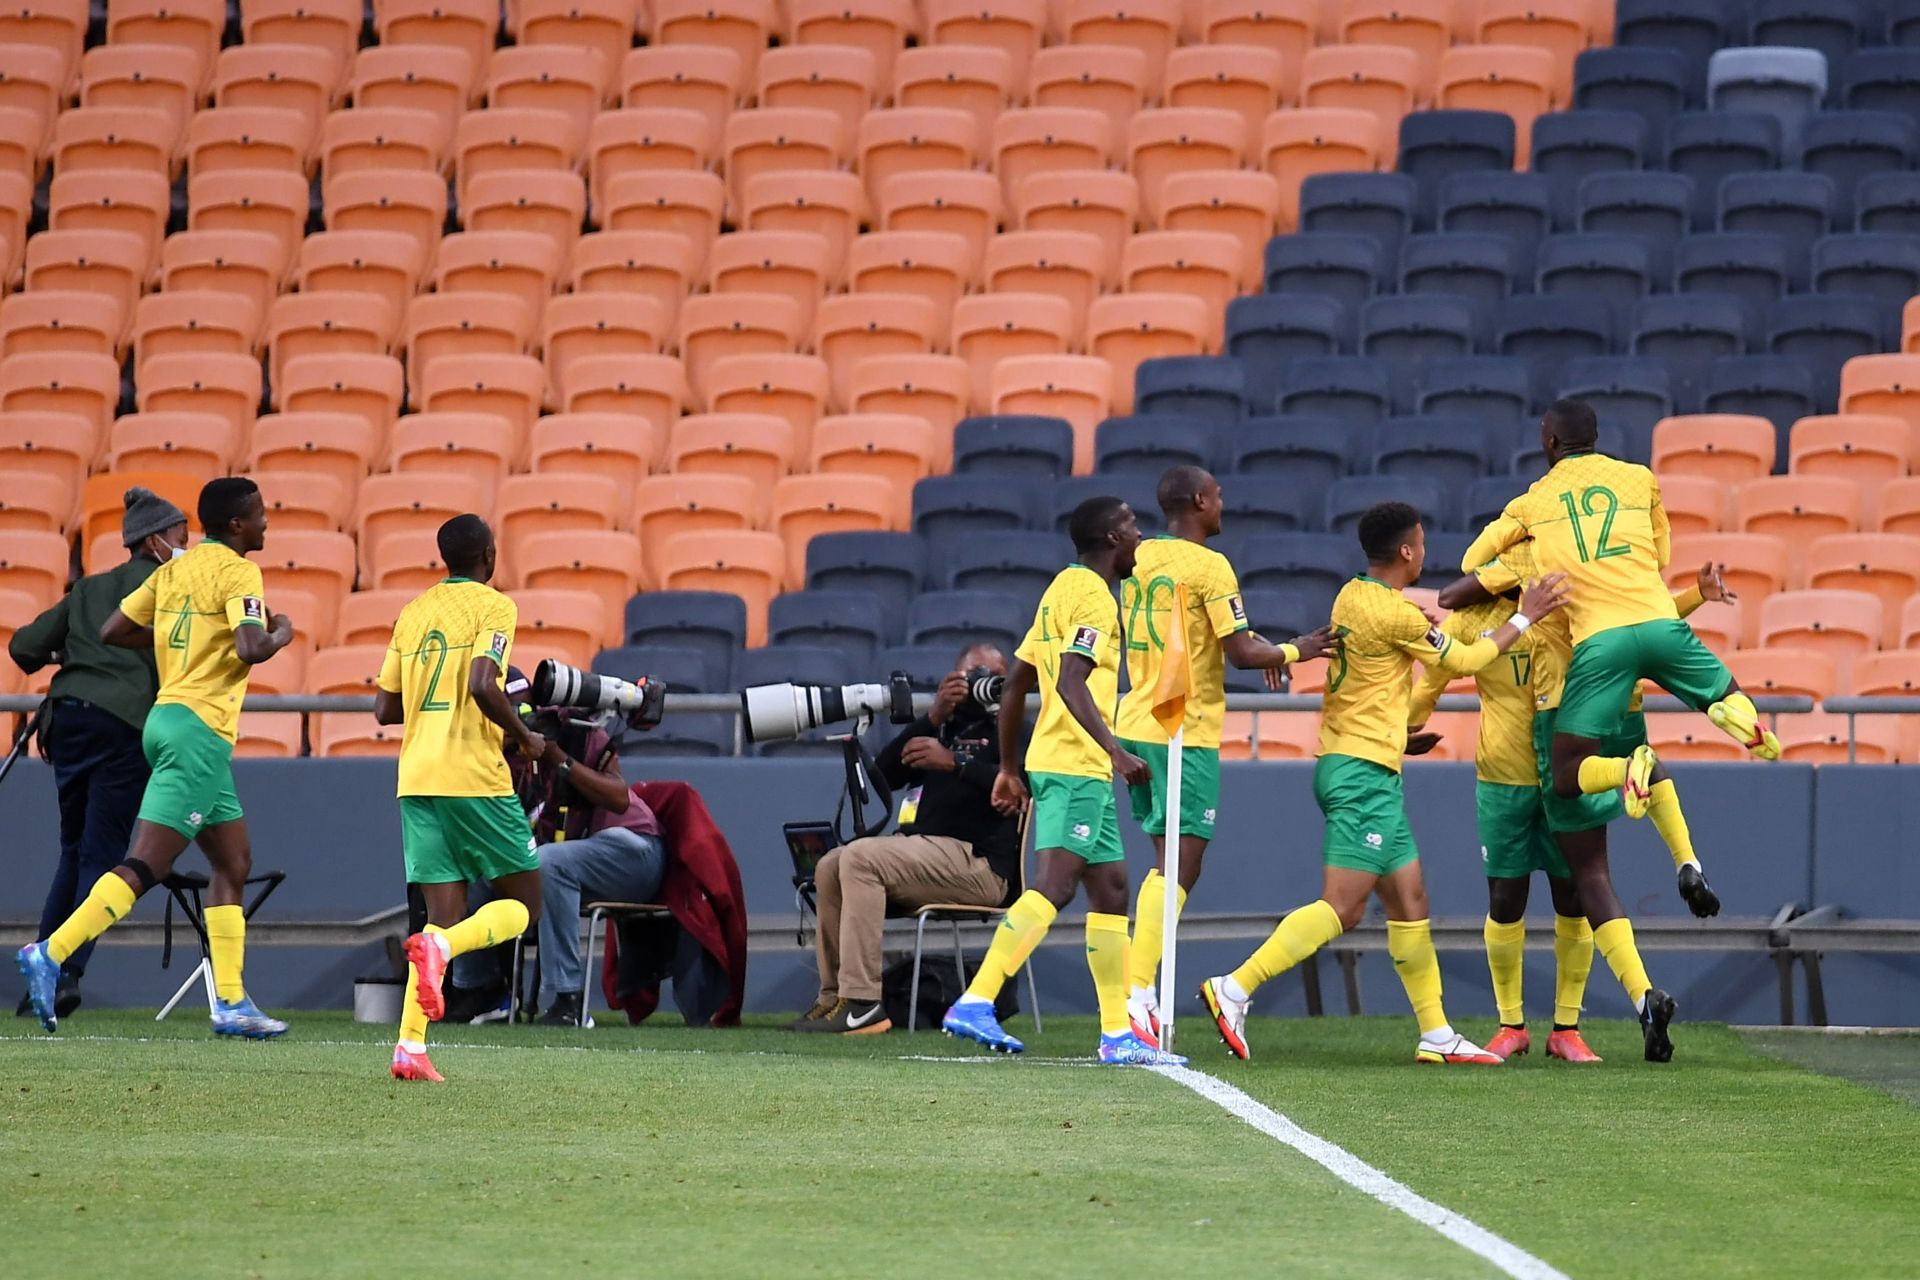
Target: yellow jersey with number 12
point(1214, 612)
point(195, 603)
point(1077, 616)
point(450, 748)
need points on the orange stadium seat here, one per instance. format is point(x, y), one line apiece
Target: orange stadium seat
point(467, 323)
point(1910, 624)
point(834, 78)
point(935, 265)
point(304, 500)
point(1385, 81)
point(1897, 506)
point(411, 501)
point(155, 77)
point(1840, 624)
point(1755, 565)
point(724, 324)
point(768, 141)
point(480, 446)
point(793, 387)
point(248, 140)
point(344, 668)
point(193, 323)
point(522, 263)
point(355, 736)
point(60, 320)
point(1015, 27)
point(651, 264)
point(20, 159)
point(757, 446)
point(322, 322)
point(795, 265)
point(1697, 504)
point(1561, 28)
point(740, 25)
point(271, 203)
point(371, 388)
point(742, 562)
point(1202, 264)
point(16, 205)
point(937, 388)
point(436, 79)
point(29, 505)
point(703, 79)
point(1728, 447)
point(647, 390)
point(34, 79)
point(367, 617)
point(1785, 671)
point(1109, 79)
point(594, 324)
point(407, 561)
point(136, 203)
point(1797, 509)
point(1295, 145)
point(523, 138)
point(1424, 27)
point(666, 506)
point(1241, 203)
point(1276, 735)
point(380, 140)
point(899, 448)
point(1101, 203)
point(102, 504)
point(197, 444)
point(194, 25)
point(550, 78)
point(1893, 673)
point(55, 449)
point(1514, 80)
point(1177, 140)
point(964, 204)
point(1049, 140)
point(848, 328)
point(412, 206)
point(805, 506)
point(913, 140)
point(968, 78)
point(1284, 26)
point(605, 562)
point(466, 25)
point(878, 26)
point(827, 206)
point(1249, 81)
point(1886, 565)
point(532, 504)
point(1886, 385)
point(87, 386)
point(320, 565)
point(1065, 264)
point(1151, 26)
point(1685, 735)
point(643, 141)
point(563, 625)
point(683, 202)
point(1822, 737)
point(113, 263)
point(1126, 328)
point(604, 26)
point(284, 77)
point(509, 387)
point(386, 264)
point(989, 327)
point(1076, 388)
point(605, 445)
point(269, 735)
point(340, 446)
point(1865, 449)
point(331, 25)
point(1721, 626)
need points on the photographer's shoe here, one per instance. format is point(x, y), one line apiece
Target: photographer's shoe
point(565, 1012)
point(66, 996)
point(476, 1005)
point(854, 1018)
point(819, 1010)
point(974, 1020)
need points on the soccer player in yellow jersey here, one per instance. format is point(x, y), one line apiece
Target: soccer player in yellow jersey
point(1216, 633)
point(444, 678)
point(1072, 652)
point(1599, 521)
point(204, 615)
point(1368, 846)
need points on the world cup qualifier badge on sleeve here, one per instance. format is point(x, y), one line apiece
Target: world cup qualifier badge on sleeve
point(1238, 606)
point(1086, 640)
point(497, 647)
point(253, 609)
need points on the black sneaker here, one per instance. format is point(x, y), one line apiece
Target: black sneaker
point(475, 1005)
point(563, 1012)
point(66, 996)
point(818, 1010)
point(854, 1018)
point(1697, 893)
point(25, 1009)
point(1654, 1017)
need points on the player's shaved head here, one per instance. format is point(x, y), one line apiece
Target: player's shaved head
point(1180, 486)
point(1093, 520)
point(466, 544)
point(1572, 424)
point(224, 500)
point(1385, 528)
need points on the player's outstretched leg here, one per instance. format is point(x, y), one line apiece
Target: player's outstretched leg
point(1020, 931)
point(1613, 938)
point(1663, 806)
point(1734, 714)
point(1298, 936)
point(1403, 891)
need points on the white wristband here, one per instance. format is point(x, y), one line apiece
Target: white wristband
point(1520, 622)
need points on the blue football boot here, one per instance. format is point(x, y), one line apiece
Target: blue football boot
point(242, 1019)
point(1125, 1049)
point(975, 1022)
point(43, 979)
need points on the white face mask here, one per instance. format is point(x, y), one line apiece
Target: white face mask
point(174, 553)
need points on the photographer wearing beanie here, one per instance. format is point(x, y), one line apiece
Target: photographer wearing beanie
point(96, 707)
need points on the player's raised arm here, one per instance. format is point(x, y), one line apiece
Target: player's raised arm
point(1251, 651)
point(1504, 532)
point(1433, 649)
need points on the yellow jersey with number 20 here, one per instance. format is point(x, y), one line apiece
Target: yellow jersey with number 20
point(195, 603)
point(1214, 612)
point(450, 747)
point(1077, 615)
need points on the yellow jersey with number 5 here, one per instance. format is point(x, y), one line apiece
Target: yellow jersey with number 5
point(1599, 521)
point(1077, 616)
point(450, 748)
point(195, 603)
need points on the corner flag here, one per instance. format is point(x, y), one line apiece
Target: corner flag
point(1169, 707)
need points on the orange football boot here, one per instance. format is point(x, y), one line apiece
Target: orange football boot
point(1569, 1047)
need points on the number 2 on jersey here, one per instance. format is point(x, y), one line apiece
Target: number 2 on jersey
point(1588, 500)
point(433, 649)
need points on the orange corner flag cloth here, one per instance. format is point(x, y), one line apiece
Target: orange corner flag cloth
point(1176, 670)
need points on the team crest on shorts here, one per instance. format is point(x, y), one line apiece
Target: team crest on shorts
point(1375, 840)
point(194, 819)
point(1081, 831)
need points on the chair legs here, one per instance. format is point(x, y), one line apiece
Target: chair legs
point(586, 965)
point(913, 983)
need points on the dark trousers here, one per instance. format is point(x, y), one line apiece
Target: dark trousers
point(101, 774)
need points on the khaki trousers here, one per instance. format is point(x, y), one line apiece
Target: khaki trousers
point(856, 883)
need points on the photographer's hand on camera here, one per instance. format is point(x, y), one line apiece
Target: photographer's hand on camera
point(948, 698)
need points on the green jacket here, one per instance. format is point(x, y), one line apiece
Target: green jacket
point(121, 682)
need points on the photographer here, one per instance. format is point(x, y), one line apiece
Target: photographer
point(952, 846)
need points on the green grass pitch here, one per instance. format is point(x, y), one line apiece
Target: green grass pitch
point(140, 1150)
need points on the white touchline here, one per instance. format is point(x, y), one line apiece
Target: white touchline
point(1357, 1173)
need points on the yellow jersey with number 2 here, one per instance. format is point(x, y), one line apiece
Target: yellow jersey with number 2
point(1077, 615)
point(1214, 612)
point(195, 603)
point(450, 748)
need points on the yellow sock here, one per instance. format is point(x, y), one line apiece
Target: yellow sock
point(1602, 773)
point(1298, 936)
point(1615, 941)
point(413, 1019)
point(227, 944)
point(501, 920)
point(1573, 961)
point(1506, 945)
point(1149, 919)
point(110, 899)
point(1663, 806)
point(1410, 943)
point(1107, 958)
point(1026, 923)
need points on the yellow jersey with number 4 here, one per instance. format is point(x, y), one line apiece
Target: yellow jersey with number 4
point(1599, 521)
point(1214, 612)
point(195, 603)
point(450, 748)
point(1077, 616)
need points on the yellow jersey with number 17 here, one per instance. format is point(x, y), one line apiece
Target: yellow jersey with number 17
point(1077, 616)
point(1214, 612)
point(194, 603)
point(450, 748)
point(1505, 753)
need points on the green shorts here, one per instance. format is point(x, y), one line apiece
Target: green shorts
point(1514, 839)
point(1199, 789)
point(1607, 666)
point(464, 838)
point(1573, 813)
point(192, 783)
point(1366, 816)
point(1076, 814)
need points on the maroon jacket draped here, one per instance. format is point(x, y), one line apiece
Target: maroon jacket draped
point(702, 889)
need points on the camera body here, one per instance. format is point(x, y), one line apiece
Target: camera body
point(984, 689)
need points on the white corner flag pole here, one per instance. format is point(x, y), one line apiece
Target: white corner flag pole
point(1170, 916)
